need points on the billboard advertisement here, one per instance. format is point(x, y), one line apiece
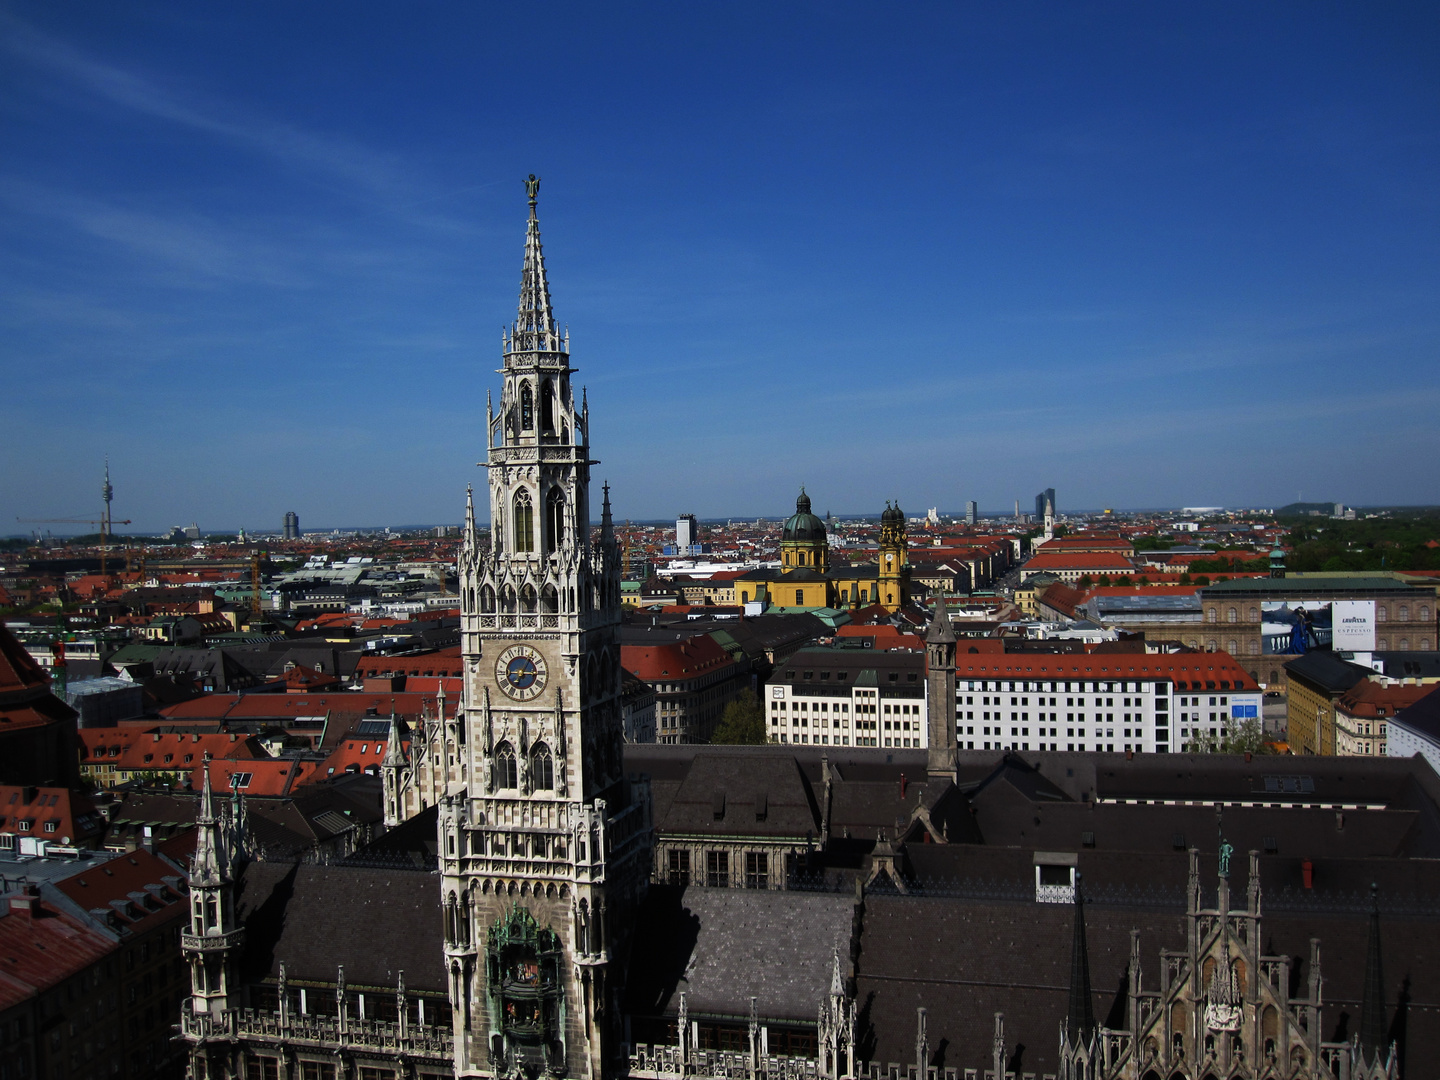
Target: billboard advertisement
point(1296, 626)
point(1354, 625)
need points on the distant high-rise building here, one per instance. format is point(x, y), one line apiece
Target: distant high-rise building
point(687, 533)
point(1046, 496)
point(972, 513)
point(292, 525)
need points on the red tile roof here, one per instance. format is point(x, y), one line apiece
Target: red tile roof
point(1193, 670)
point(41, 948)
point(883, 636)
point(131, 750)
point(1371, 697)
point(1101, 561)
point(55, 814)
point(437, 663)
point(272, 776)
point(675, 660)
point(131, 889)
point(279, 707)
point(1062, 598)
point(356, 754)
point(18, 669)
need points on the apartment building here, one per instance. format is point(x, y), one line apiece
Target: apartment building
point(849, 697)
point(1097, 702)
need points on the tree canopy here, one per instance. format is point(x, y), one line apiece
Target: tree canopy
point(742, 723)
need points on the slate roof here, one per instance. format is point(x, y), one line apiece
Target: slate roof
point(741, 794)
point(1327, 670)
point(721, 946)
point(1423, 717)
point(375, 922)
point(965, 960)
point(1303, 585)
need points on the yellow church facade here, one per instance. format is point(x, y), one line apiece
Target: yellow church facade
point(806, 579)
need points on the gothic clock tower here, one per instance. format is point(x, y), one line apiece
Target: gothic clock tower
point(544, 847)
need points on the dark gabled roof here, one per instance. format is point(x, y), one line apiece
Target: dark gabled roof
point(375, 922)
point(741, 794)
point(964, 960)
point(1304, 585)
point(721, 946)
point(1327, 670)
point(1423, 717)
point(1408, 665)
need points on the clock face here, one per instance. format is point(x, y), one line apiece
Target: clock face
point(520, 671)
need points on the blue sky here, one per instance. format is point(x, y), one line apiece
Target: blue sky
point(1148, 254)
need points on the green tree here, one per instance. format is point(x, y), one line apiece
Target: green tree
point(1085, 581)
point(742, 723)
point(1246, 737)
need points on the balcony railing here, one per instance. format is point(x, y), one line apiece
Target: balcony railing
point(326, 1031)
point(211, 942)
point(664, 1062)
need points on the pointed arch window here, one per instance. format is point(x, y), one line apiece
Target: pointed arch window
point(547, 406)
point(527, 407)
point(506, 773)
point(549, 600)
point(487, 600)
point(555, 519)
point(542, 768)
point(524, 517)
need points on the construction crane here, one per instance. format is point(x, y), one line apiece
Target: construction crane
point(107, 495)
point(104, 524)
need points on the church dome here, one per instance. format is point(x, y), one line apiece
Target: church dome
point(803, 526)
point(892, 515)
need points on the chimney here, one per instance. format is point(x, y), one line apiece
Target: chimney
point(27, 903)
point(902, 785)
point(1307, 874)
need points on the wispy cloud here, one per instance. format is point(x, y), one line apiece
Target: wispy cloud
point(199, 248)
point(334, 158)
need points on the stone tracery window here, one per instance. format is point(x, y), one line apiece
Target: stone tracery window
point(524, 517)
point(542, 768)
point(555, 519)
point(506, 773)
point(527, 407)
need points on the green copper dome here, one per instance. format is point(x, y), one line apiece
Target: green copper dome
point(803, 525)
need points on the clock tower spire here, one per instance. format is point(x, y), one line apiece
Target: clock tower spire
point(544, 850)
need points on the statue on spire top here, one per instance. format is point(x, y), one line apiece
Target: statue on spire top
point(532, 187)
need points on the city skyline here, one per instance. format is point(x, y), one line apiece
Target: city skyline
point(1136, 255)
